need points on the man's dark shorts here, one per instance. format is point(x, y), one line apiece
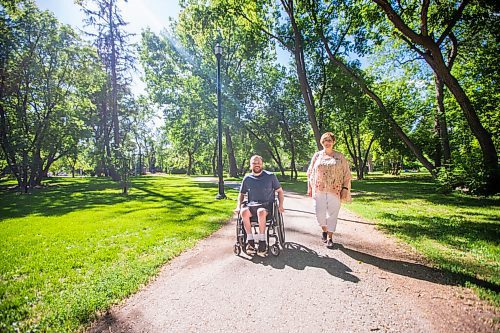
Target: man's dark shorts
point(253, 206)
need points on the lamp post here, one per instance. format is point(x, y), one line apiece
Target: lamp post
point(218, 55)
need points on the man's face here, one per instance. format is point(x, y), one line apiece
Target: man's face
point(256, 166)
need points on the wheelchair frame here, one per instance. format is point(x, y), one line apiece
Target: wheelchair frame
point(275, 228)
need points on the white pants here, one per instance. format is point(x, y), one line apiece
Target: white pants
point(327, 206)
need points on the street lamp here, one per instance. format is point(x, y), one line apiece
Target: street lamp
point(218, 55)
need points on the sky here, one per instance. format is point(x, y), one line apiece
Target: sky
point(139, 13)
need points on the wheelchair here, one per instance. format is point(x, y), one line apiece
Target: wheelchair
point(275, 229)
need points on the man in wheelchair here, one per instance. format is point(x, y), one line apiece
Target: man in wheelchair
point(260, 187)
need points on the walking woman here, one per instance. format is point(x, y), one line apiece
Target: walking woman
point(329, 183)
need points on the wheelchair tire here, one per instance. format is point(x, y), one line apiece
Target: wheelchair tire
point(275, 250)
point(281, 229)
point(240, 236)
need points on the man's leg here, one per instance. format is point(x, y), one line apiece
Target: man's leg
point(245, 216)
point(261, 215)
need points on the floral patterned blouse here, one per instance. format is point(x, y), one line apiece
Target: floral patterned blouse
point(329, 174)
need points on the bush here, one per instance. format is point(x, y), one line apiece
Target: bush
point(471, 181)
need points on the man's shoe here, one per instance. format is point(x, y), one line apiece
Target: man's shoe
point(323, 236)
point(250, 247)
point(329, 244)
point(262, 248)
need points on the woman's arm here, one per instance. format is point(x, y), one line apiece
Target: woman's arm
point(309, 173)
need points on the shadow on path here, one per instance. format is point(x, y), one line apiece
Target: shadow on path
point(299, 257)
point(415, 271)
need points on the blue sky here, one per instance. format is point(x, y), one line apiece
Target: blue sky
point(138, 13)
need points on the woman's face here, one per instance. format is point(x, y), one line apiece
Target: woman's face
point(327, 143)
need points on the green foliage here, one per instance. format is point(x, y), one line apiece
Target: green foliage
point(45, 70)
point(464, 178)
point(76, 247)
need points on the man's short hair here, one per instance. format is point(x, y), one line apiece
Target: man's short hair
point(256, 157)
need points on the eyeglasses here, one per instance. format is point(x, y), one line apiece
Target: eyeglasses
point(327, 140)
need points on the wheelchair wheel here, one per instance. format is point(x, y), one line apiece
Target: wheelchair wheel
point(281, 229)
point(240, 235)
point(275, 250)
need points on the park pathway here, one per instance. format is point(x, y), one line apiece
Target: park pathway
point(368, 283)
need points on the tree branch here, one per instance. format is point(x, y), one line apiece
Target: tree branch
point(423, 18)
point(453, 51)
point(454, 19)
point(399, 24)
point(282, 41)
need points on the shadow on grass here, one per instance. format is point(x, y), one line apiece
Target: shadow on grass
point(424, 188)
point(455, 231)
point(298, 257)
point(416, 271)
point(62, 196)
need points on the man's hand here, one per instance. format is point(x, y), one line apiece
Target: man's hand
point(281, 209)
point(237, 209)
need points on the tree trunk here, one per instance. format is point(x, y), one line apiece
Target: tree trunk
point(298, 52)
point(190, 163)
point(214, 161)
point(243, 167)
point(233, 167)
point(289, 137)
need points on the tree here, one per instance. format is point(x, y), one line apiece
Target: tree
point(113, 48)
point(437, 23)
point(42, 65)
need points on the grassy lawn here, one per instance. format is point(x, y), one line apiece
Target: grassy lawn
point(456, 232)
point(76, 247)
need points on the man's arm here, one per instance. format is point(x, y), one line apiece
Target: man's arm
point(281, 198)
point(241, 197)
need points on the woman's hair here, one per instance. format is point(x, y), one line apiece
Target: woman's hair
point(327, 135)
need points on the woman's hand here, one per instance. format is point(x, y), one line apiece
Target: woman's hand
point(343, 193)
point(309, 191)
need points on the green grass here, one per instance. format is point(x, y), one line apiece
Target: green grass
point(77, 246)
point(456, 232)
point(74, 248)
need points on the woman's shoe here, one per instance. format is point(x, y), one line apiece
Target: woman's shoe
point(329, 244)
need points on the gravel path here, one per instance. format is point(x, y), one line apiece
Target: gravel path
point(368, 283)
